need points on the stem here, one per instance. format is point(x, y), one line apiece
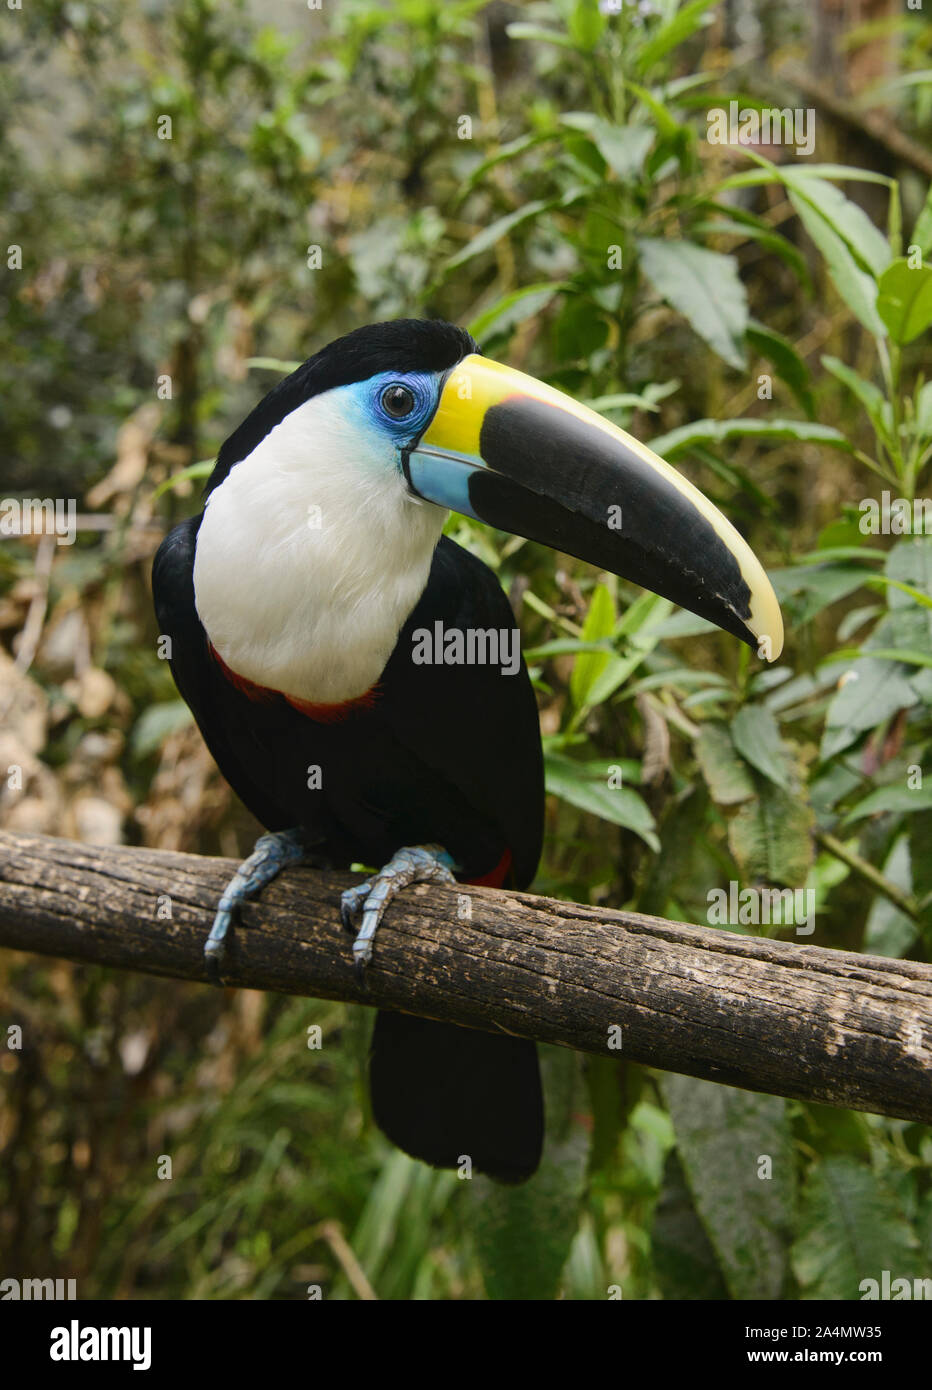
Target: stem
point(903, 901)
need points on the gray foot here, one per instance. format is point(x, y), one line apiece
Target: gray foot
point(271, 854)
point(412, 864)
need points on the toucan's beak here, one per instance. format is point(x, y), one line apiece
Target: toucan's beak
point(525, 458)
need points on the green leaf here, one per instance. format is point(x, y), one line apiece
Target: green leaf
point(487, 238)
point(909, 569)
point(705, 287)
point(586, 24)
point(579, 329)
point(202, 469)
point(646, 611)
point(920, 855)
point(857, 288)
point(845, 217)
point(892, 798)
point(272, 364)
point(624, 148)
point(871, 397)
point(890, 932)
point(770, 836)
point(772, 173)
point(852, 1229)
point(631, 400)
point(756, 736)
point(820, 585)
point(683, 23)
point(574, 783)
point(722, 1136)
point(599, 624)
point(510, 150)
point(684, 1260)
point(924, 409)
point(789, 365)
point(922, 232)
point(719, 431)
point(153, 726)
point(507, 313)
point(667, 125)
point(856, 619)
point(523, 1234)
point(909, 658)
point(740, 222)
point(905, 300)
point(538, 33)
point(728, 778)
point(872, 694)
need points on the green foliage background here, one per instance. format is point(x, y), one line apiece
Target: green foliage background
point(586, 231)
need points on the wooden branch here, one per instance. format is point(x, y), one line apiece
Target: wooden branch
point(792, 1019)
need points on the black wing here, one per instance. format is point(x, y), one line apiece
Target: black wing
point(474, 725)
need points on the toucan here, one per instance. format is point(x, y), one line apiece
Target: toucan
point(299, 603)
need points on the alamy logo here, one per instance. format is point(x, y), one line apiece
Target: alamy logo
point(894, 1289)
point(77, 1343)
point(471, 646)
point(26, 1289)
point(755, 907)
point(771, 126)
point(39, 516)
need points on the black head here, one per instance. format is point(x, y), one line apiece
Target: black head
point(403, 345)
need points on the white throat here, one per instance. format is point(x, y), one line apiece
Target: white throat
point(311, 555)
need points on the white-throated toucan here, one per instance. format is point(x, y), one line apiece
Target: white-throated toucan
point(296, 601)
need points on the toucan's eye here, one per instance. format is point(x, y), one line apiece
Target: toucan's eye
point(398, 401)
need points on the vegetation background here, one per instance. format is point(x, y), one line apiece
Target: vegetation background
point(197, 192)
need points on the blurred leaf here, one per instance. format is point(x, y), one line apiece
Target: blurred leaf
point(520, 30)
point(524, 1233)
point(486, 239)
point(851, 1228)
point(202, 469)
point(586, 24)
point(905, 300)
point(848, 219)
point(890, 932)
point(684, 1260)
point(678, 25)
point(770, 837)
point(720, 431)
point(722, 1136)
point(756, 736)
point(155, 724)
point(873, 692)
point(579, 330)
point(870, 396)
point(857, 288)
point(272, 364)
point(620, 805)
point(727, 775)
point(922, 232)
point(505, 314)
point(892, 798)
point(704, 286)
point(599, 624)
point(624, 148)
point(667, 125)
point(787, 361)
point(920, 858)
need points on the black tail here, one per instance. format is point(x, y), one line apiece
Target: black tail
point(441, 1093)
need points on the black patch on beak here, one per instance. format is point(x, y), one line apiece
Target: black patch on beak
point(555, 479)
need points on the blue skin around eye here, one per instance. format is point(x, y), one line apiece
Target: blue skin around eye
point(440, 480)
point(423, 386)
